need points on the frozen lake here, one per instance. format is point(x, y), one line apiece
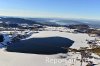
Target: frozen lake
point(48, 45)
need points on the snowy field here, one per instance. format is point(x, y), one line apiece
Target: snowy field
point(21, 59)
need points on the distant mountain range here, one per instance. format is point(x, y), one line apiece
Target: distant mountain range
point(91, 23)
point(50, 21)
point(56, 21)
point(14, 20)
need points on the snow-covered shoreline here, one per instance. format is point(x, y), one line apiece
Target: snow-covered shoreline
point(22, 59)
point(80, 38)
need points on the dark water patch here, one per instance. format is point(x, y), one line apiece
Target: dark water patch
point(50, 45)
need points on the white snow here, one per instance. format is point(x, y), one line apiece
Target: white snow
point(21, 59)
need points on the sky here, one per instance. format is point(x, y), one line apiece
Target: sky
point(86, 9)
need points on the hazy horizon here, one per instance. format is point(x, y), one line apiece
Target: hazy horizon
point(84, 9)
